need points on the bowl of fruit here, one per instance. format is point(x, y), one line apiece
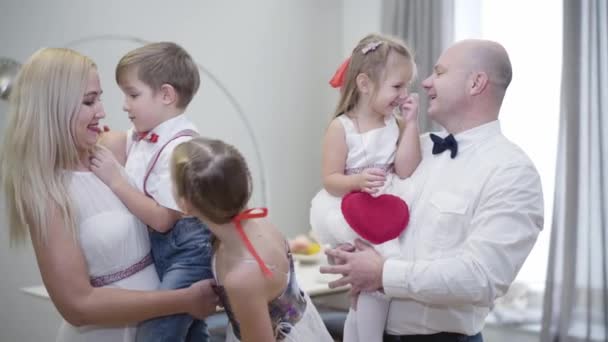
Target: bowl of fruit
point(306, 250)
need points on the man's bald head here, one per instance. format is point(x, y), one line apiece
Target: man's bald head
point(489, 57)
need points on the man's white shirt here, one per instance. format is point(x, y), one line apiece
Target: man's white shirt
point(473, 221)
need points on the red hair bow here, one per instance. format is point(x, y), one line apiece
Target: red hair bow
point(338, 80)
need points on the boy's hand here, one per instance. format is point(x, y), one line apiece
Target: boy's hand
point(409, 108)
point(105, 167)
point(371, 180)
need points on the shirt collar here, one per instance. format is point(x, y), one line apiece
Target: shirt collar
point(475, 135)
point(167, 128)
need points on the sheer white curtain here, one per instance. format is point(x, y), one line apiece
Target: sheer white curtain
point(576, 295)
point(427, 27)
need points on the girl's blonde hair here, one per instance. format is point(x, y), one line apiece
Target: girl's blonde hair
point(39, 143)
point(213, 177)
point(369, 57)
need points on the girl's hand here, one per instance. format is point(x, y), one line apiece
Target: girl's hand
point(371, 180)
point(409, 108)
point(204, 300)
point(105, 167)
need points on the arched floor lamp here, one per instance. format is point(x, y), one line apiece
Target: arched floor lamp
point(10, 67)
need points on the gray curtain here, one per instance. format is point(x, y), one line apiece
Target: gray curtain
point(427, 27)
point(576, 295)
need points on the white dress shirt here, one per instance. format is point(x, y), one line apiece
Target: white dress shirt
point(474, 220)
point(140, 153)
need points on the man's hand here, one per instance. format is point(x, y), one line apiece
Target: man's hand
point(204, 300)
point(362, 268)
point(347, 247)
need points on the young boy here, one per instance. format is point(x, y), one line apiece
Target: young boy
point(159, 81)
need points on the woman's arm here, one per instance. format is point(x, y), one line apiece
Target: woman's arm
point(65, 275)
point(247, 292)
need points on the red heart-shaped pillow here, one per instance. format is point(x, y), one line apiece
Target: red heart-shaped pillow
point(376, 219)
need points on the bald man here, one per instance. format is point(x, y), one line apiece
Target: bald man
point(476, 209)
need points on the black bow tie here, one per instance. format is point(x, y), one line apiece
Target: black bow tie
point(442, 144)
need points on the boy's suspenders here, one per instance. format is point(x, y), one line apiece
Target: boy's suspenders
point(184, 133)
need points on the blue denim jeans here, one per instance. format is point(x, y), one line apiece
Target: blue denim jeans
point(182, 256)
point(439, 337)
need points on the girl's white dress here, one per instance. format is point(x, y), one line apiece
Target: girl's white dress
point(112, 240)
point(373, 149)
point(308, 328)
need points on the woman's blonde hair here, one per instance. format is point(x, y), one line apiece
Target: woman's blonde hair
point(39, 143)
point(369, 57)
point(213, 177)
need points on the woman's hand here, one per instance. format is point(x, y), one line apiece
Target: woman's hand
point(204, 300)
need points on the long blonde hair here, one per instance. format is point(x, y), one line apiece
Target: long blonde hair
point(369, 57)
point(39, 144)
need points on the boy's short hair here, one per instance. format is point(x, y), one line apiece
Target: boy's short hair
point(163, 63)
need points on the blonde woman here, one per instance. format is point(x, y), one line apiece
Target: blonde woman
point(93, 254)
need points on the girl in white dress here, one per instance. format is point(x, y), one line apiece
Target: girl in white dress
point(252, 264)
point(93, 254)
point(365, 146)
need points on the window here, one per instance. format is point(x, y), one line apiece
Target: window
point(531, 31)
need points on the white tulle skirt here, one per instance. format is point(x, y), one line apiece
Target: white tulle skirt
point(330, 227)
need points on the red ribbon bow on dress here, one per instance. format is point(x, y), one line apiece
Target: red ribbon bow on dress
point(250, 214)
point(137, 136)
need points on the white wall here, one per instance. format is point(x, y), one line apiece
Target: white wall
point(273, 55)
point(360, 17)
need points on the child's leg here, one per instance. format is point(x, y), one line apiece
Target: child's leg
point(327, 221)
point(350, 333)
point(372, 312)
point(188, 259)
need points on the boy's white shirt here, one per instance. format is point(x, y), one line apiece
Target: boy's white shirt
point(140, 153)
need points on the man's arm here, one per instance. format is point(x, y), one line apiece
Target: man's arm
point(503, 232)
point(504, 229)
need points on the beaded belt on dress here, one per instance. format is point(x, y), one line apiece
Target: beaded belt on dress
point(127, 272)
point(388, 168)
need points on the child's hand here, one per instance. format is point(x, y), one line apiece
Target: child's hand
point(204, 300)
point(409, 108)
point(371, 180)
point(105, 167)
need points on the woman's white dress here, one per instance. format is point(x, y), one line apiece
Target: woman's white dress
point(112, 239)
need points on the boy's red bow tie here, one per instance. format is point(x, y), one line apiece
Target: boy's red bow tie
point(153, 137)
